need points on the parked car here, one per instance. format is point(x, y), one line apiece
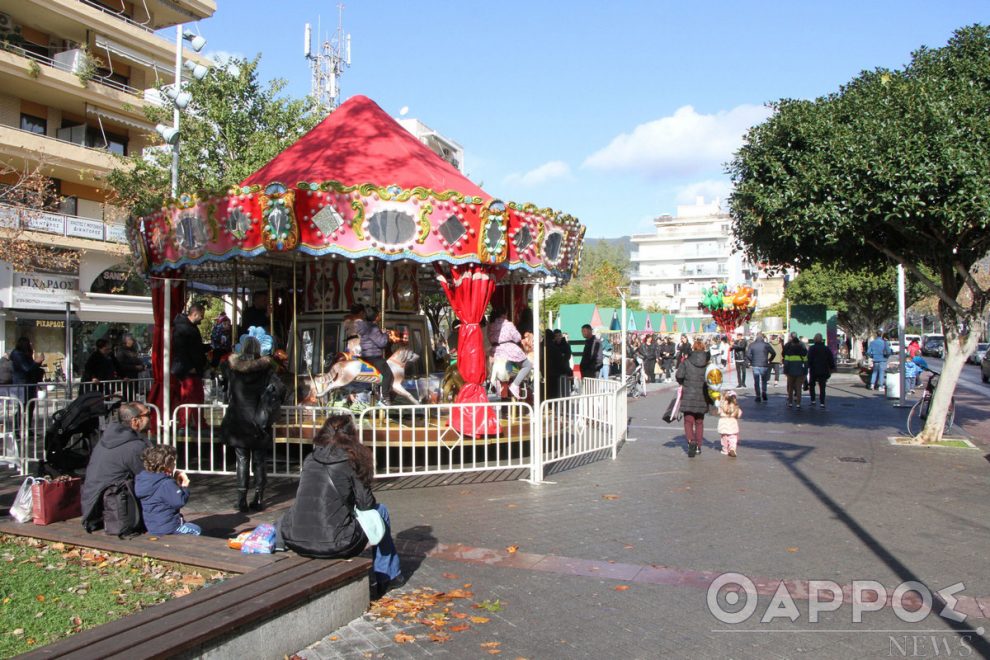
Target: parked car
point(976, 357)
point(933, 346)
point(895, 346)
point(985, 368)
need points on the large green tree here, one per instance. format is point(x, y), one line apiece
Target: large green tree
point(865, 299)
point(604, 269)
point(234, 125)
point(892, 168)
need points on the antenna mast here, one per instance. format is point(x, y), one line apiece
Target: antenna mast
point(328, 62)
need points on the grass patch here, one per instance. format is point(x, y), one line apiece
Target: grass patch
point(953, 443)
point(49, 591)
point(950, 443)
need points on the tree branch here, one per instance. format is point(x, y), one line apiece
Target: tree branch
point(926, 281)
point(968, 278)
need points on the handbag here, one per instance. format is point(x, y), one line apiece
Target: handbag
point(21, 510)
point(55, 501)
point(674, 407)
point(372, 523)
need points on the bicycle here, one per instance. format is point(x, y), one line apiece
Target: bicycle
point(919, 412)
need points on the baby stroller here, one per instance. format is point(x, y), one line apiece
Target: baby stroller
point(72, 433)
point(635, 377)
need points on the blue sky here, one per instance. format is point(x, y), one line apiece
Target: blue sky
point(613, 111)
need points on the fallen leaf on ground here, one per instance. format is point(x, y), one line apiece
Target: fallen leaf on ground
point(458, 615)
point(451, 576)
point(511, 506)
point(466, 585)
point(194, 579)
point(622, 587)
point(439, 637)
point(461, 627)
point(794, 549)
point(628, 546)
point(403, 638)
point(610, 497)
point(76, 621)
point(480, 619)
point(512, 549)
point(40, 598)
point(490, 645)
point(493, 651)
point(458, 593)
point(334, 638)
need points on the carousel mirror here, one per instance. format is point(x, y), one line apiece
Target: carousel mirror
point(328, 220)
point(278, 221)
point(497, 206)
point(523, 238)
point(452, 229)
point(392, 227)
point(275, 189)
point(190, 233)
point(238, 223)
point(493, 235)
point(552, 246)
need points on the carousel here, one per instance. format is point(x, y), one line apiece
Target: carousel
point(359, 212)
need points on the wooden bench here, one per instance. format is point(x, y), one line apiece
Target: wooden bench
point(279, 603)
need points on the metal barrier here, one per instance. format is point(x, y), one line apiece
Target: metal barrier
point(599, 386)
point(201, 449)
point(580, 424)
point(128, 389)
point(420, 440)
point(11, 418)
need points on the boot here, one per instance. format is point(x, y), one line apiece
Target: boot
point(243, 475)
point(256, 503)
point(242, 503)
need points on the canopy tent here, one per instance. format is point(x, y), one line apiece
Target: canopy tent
point(615, 325)
point(596, 319)
point(360, 187)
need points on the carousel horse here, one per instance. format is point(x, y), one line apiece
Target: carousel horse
point(354, 370)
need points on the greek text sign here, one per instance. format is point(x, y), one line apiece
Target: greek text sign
point(43, 290)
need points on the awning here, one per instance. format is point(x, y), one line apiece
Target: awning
point(38, 319)
point(108, 308)
point(133, 56)
point(97, 111)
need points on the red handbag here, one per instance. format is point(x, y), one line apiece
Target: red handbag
point(54, 501)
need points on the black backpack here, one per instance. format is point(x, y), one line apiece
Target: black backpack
point(121, 510)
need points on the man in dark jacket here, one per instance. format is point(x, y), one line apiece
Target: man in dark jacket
point(821, 364)
point(257, 315)
point(374, 343)
point(592, 356)
point(188, 357)
point(115, 458)
point(760, 354)
point(739, 355)
point(665, 354)
point(101, 366)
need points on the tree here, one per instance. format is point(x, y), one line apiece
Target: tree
point(604, 268)
point(894, 167)
point(233, 126)
point(29, 192)
point(865, 299)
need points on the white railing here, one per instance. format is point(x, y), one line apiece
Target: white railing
point(201, 449)
point(448, 438)
point(581, 424)
point(599, 386)
point(128, 389)
point(11, 418)
point(61, 224)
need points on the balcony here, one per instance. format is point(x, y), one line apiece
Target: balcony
point(60, 224)
point(72, 62)
point(62, 159)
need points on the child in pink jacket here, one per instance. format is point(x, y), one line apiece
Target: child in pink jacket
point(728, 422)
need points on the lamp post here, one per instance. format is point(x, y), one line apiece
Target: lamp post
point(179, 98)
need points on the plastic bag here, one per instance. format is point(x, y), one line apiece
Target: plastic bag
point(372, 523)
point(261, 541)
point(22, 510)
point(11, 453)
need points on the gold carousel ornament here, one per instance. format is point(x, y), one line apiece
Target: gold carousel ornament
point(280, 231)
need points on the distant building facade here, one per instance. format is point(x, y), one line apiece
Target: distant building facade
point(450, 151)
point(688, 253)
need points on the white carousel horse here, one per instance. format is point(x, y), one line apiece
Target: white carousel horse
point(350, 371)
point(504, 371)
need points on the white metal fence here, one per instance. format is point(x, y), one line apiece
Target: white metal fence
point(405, 440)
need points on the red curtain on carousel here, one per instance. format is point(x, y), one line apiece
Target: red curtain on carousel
point(469, 290)
point(178, 295)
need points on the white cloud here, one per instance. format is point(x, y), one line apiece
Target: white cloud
point(710, 189)
point(555, 169)
point(680, 144)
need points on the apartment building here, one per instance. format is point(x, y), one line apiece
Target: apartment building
point(449, 150)
point(691, 251)
point(75, 76)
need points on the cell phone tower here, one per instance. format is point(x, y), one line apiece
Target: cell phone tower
point(328, 62)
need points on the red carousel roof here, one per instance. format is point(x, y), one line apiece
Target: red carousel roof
point(360, 143)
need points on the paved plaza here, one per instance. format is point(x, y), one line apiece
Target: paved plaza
point(613, 559)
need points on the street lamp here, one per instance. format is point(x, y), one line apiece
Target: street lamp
point(179, 98)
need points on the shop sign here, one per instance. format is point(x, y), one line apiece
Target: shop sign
point(44, 290)
point(116, 233)
point(49, 323)
point(51, 223)
point(83, 228)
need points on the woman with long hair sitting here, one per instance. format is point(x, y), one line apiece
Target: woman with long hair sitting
point(335, 479)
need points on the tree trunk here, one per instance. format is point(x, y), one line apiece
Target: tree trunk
point(957, 349)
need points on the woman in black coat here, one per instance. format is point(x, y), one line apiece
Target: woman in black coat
point(252, 408)
point(694, 401)
point(336, 478)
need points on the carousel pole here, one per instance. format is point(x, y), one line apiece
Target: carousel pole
point(536, 417)
point(295, 337)
point(271, 306)
point(382, 282)
point(233, 316)
point(166, 410)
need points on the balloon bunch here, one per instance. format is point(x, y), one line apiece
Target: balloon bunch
point(728, 308)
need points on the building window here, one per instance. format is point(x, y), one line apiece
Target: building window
point(677, 288)
point(34, 124)
point(69, 205)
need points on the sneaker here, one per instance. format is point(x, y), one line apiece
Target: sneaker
point(788, 404)
point(822, 405)
point(692, 450)
point(797, 407)
point(725, 452)
point(699, 449)
point(813, 404)
point(514, 391)
point(732, 453)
